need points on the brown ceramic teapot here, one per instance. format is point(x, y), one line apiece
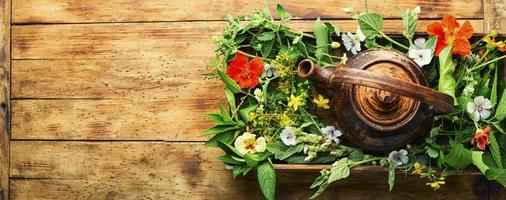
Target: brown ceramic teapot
point(380, 98)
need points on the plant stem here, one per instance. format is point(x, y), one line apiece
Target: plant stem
point(365, 161)
point(393, 41)
point(252, 56)
point(486, 63)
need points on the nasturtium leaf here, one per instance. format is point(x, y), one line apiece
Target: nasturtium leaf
point(459, 157)
point(229, 83)
point(370, 24)
point(432, 152)
point(447, 83)
point(267, 180)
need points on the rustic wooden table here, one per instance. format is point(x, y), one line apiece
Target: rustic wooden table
point(105, 100)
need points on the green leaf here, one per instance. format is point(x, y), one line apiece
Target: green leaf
point(459, 157)
point(218, 129)
point(282, 13)
point(391, 177)
point(215, 118)
point(229, 149)
point(229, 83)
point(432, 152)
point(251, 160)
point(318, 181)
point(319, 159)
point(493, 94)
point(431, 43)
point(338, 172)
point(267, 48)
point(498, 175)
point(477, 157)
point(320, 190)
point(356, 155)
point(266, 36)
point(282, 155)
point(226, 137)
point(500, 112)
point(322, 41)
point(267, 180)
point(229, 160)
point(495, 150)
point(240, 169)
point(409, 22)
point(447, 83)
point(370, 24)
point(497, 125)
point(231, 100)
point(244, 112)
point(225, 116)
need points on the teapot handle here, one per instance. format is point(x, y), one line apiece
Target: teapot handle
point(441, 103)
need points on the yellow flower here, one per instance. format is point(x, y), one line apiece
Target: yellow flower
point(418, 168)
point(335, 45)
point(295, 102)
point(344, 59)
point(489, 40)
point(246, 143)
point(437, 184)
point(321, 102)
point(284, 120)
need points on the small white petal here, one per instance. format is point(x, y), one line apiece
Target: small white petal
point(486, 104)
point(476, 116)
point(484, 114)
point(360, 34)
point(418, 9)
point(403, 152)
point(471, 107)
point(479, 100)
point(420, 43)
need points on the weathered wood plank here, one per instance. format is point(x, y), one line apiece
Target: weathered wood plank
point(137, 170)
point(495, 15)
point(5, 59)
point(176, 119)
point(75, 11)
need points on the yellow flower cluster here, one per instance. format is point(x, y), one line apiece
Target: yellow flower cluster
point(501, 46)
point(321, 102)
point(437, 183)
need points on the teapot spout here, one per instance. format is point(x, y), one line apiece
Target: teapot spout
point(308, 69)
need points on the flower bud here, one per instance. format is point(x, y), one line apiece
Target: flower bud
point(335, 45)
point(493, 33)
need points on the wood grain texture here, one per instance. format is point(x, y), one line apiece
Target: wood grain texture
point(495, 16)
point(5, 17)
point(75, 11)
point(139, 170)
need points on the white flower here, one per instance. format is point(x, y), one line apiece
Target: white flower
point(259, 96)
point(468, 90)
point(270, 71)
point(398, 158)
point(360, 34)
point(419, 53)
point(419, 43)
point(420, 56)
point(351, 42)
point(332, 133)
point(306, 149)
point(288, 136)
point(480, 108)
point(418, 9)
point(246, 143)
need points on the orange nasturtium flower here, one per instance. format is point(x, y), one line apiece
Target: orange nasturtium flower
point(449, 31)
point(246, 73)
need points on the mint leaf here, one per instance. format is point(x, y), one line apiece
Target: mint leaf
point(322, 41)
point(447, 83)
point(244, 112)
point(459, 157)
point(285, 16)
point(267, 180)
point(339, 172)
point(229, 83)
point(266, 36)
point(409, 22)
point(370, 24)
point(431, 43)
